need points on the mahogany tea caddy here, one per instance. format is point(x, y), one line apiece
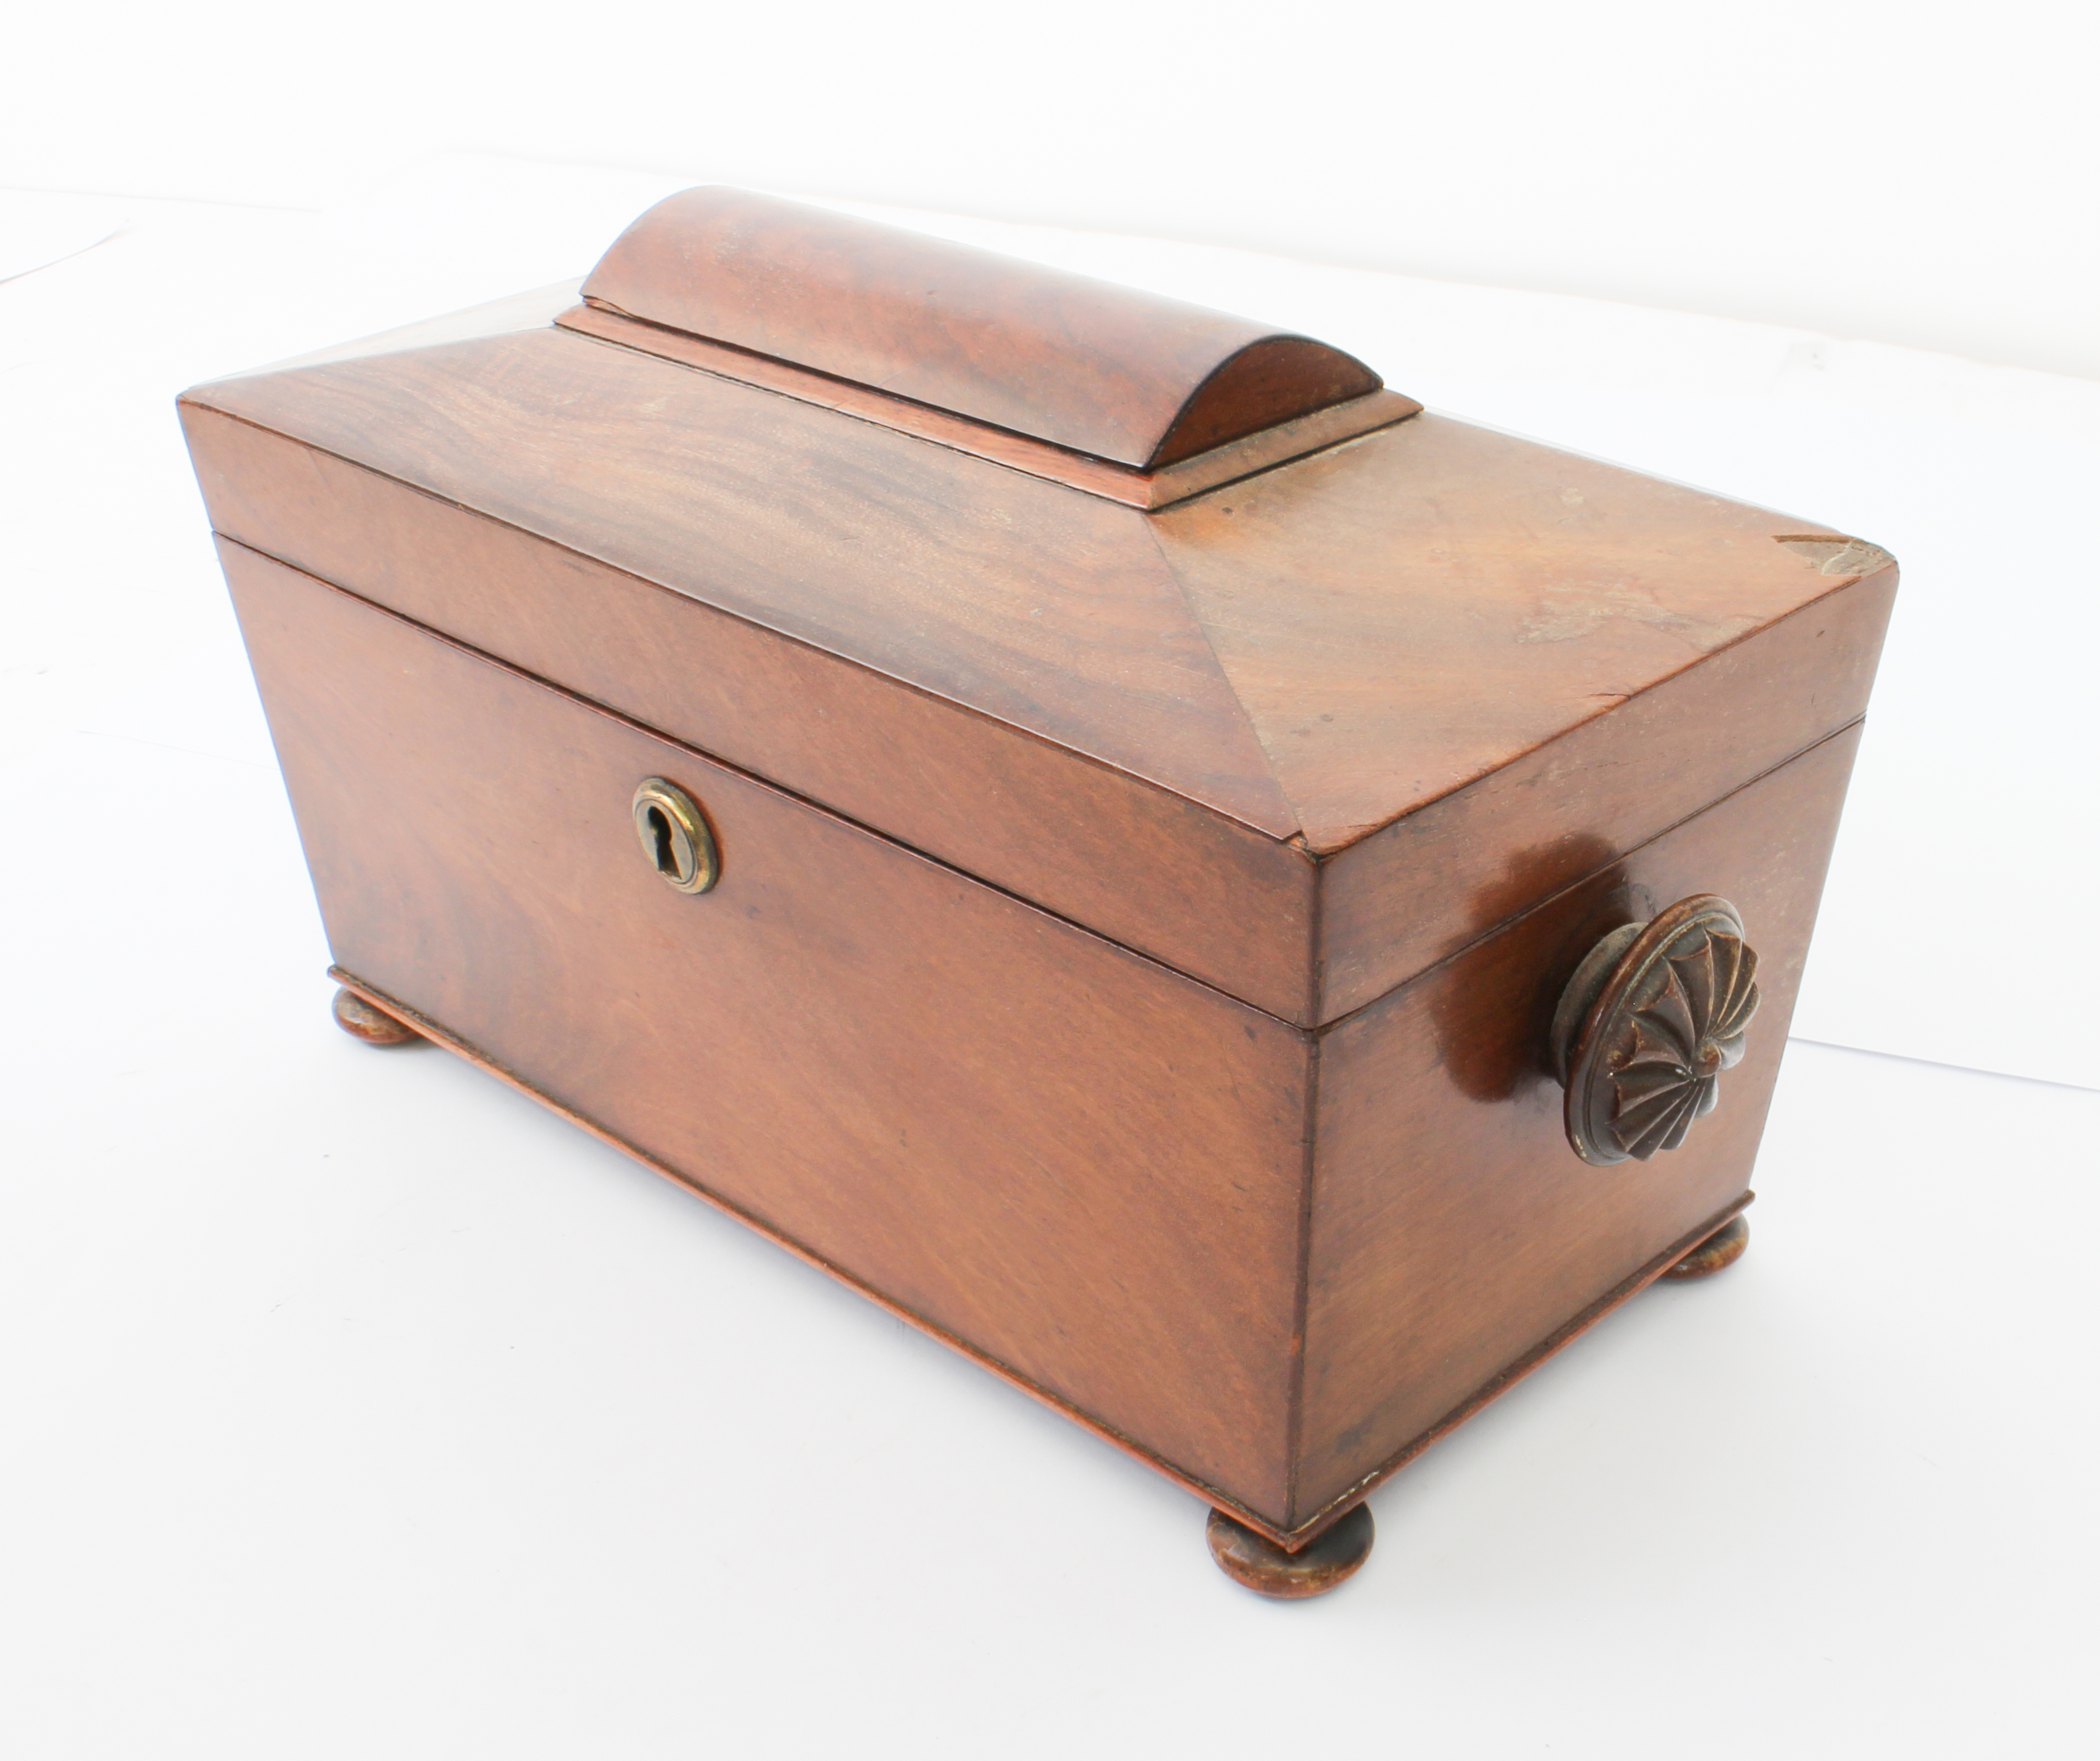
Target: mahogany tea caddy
point(1253, 910)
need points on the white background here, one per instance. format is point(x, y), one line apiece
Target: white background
point(1914, 170)
point(355, 1407)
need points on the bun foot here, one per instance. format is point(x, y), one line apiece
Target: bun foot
point(1724, 1247)
point(1265, 1567)
point(361, 1021)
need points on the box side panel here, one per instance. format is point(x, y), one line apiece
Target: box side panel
point(1138, 864)
point(1445, 875)
point(1084, 1166)
point(1453, 1229)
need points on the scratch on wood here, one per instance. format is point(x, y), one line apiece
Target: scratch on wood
point(1834, 554)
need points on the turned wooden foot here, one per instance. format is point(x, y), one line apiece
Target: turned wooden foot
point(1265, 1567)
point(360, 1020)
point(1724, 1247)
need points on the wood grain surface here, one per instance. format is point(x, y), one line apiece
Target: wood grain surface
point(1453, 1226)
point(1048, 609)
point(1131, 485)
point(1407, 614)
point(1371, 676)
point(1446, 873)
point(1085, 1165)
point(1084, 364)
point(1142, 865)
point(1086, 1168)
point(1137, 925)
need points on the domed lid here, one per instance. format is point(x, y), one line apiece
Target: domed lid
point(1104, 371)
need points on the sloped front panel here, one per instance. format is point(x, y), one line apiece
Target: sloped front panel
point(1084, 1167)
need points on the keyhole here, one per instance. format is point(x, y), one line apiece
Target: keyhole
point(674, 835)
point(667, 855)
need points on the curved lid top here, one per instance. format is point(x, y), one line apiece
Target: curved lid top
point(1100, 369)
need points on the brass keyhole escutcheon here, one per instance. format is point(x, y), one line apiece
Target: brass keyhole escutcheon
point(674, 836)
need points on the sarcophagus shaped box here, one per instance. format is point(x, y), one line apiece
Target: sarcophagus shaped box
point(1224, 896)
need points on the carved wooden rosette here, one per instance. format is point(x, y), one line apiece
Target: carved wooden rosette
point(1652, 1016)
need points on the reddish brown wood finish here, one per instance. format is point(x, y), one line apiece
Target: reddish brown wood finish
point(1087, 1166)
point(1405, 617)
point(364, 1019)
point(1717, 1252)
point(1258, 1564)
point(1089, 1169)
point(1145, 866)
point(1415, 654)
point(428, 1029)
point(1224, 464)
point(1083, 364)
point(1042, 606)
point(1430, 883)
point(1225, 1126)
point(1453, 1227)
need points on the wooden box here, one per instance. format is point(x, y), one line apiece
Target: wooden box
point(1091, 820)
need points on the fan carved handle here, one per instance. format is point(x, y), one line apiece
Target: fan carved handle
point(1652, 1016)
